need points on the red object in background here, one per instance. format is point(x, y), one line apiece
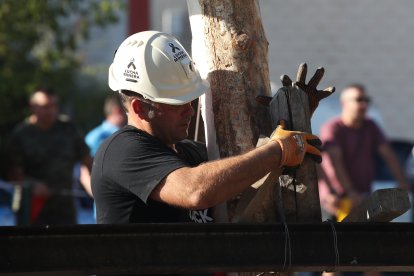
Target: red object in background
point(37, 204)
point(138, 16)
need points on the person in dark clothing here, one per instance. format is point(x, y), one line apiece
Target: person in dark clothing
point(42, 153)
point(148, 171)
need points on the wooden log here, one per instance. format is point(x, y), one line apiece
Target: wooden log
point(383, 205)
point(230, 50)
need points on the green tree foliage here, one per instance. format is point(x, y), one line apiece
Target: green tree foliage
point(38, 46)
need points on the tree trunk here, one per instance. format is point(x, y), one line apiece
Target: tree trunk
point(230, 50)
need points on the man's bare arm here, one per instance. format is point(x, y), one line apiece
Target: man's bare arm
point(338, 162)
point(214, 182)
point(85, 174)
point(391, 159)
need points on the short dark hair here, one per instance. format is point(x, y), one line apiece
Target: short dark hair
point(357, 86)
point(50, 92)
point(47, 90)
point(127, 95)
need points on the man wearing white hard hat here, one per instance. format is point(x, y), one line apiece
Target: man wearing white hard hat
point(148, 171)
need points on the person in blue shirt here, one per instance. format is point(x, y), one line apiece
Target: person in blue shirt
point(114, 120)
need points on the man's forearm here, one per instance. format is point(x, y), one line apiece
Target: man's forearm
point(85, 174)
point(341, 173)
point(240, 172)
point(214, 182)
point(394, 165)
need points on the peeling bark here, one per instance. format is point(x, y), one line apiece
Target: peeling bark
point(230, 49)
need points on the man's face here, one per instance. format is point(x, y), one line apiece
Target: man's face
point(45, 108)
point(355, 102)
point(171, 122)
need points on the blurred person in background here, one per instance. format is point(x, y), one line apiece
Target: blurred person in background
point(351, 143)
point(42, 152)
point(115, 118)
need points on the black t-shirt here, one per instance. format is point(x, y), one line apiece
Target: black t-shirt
point(128, 166)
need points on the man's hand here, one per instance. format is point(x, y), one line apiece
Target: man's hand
point(330, 203)
point(356, 198)
point(310, 89)
point(295, 144)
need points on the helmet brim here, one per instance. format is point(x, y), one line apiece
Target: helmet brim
point(202, 88)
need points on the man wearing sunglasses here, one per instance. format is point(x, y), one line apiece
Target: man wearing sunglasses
point(351, 142)
point(148, 172)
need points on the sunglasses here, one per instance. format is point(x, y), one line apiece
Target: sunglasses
point(362, 99)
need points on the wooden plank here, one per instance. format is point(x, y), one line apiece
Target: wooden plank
point(274, 201)
point(263, 206)
point(250, 201)
point(383, 205)
point(292, 105)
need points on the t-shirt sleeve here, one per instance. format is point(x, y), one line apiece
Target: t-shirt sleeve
point(193, 152)
point(92, 141)
point(139, 164)
point(378, 134)
point(329, 135)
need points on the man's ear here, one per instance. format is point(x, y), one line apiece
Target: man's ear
point(137, 107)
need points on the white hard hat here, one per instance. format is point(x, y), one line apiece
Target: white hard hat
point(157, 66)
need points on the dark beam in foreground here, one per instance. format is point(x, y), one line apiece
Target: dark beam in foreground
point(185, 248)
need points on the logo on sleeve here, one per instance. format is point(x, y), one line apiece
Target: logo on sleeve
point(200, 216)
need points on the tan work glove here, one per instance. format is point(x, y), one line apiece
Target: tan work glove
point(295, 145)
point(310, 89)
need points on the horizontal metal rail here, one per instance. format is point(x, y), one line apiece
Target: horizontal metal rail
point(187, 248)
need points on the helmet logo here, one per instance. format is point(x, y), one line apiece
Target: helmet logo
point(132, 64)
point(131, 75)
point(173, 48)
point(176, 53)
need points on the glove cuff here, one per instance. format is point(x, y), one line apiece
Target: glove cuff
point(283, 155)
